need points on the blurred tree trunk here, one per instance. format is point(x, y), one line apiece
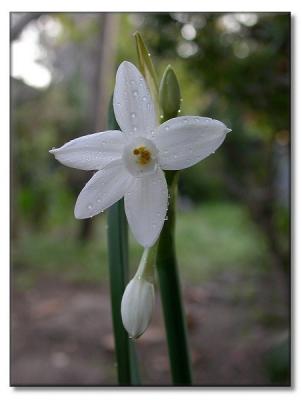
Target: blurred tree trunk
point(104, 60)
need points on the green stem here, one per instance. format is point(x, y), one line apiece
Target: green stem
point(171, 293)
point(118, 271)
point(127, 369)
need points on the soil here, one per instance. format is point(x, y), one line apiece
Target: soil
point(61, 334)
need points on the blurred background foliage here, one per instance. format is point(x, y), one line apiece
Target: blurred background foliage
point(233, 207)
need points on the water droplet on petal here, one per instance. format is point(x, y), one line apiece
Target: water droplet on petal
point(144, 98)
point(179, 111)
point(135, 93)
point(167, 128)
point(133, 115)
point(89, 206)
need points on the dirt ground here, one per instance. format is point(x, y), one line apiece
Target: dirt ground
point(61, 335)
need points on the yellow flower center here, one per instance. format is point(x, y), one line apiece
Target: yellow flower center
point(142, 154)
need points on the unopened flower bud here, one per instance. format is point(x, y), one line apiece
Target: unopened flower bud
point(169, 94)
point(137, 306)
point(138, 298)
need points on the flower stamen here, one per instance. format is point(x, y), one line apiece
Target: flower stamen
point(143, 155)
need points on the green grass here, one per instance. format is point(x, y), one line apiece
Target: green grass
point(210, 239)
point(217, 237)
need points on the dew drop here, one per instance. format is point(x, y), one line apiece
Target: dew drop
point(149, 54)
point(135, 93)
point(166, 218)
point(169, 195)
point(132, 82)
point(134, 128)
point(179, 111)
point(98, 200)
point(166, 128)
point(118, 104)
point(181, 100)
point(133, 115)
point(161, 117)
point(144, 98)
point(89, 206)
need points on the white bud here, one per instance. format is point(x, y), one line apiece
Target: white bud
point(137, 306)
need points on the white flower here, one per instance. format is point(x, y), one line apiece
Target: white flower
point(130, 163)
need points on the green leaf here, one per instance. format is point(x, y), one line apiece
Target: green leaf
point(170, 292)
point(127, 368)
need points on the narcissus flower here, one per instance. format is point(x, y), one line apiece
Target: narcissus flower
point(130, 162)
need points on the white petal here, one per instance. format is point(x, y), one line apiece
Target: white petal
point(132, 102)
point(91, 151)
point(146, 205)
point(184, 141)
point(105, 188)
